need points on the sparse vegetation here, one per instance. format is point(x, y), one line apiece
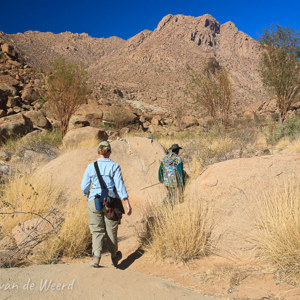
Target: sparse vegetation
point(213, 91)
point(280, 67)
point(73, 238)
point(65, 90)
point(24, 193)
point(180, 233)
point(290, 129)
point(27, 197)
point(44, 142)
point(278, 234)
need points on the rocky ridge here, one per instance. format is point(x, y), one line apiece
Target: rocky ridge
point(152, 68)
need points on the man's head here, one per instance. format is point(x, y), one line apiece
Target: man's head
point(175, 148)
point(104, 148)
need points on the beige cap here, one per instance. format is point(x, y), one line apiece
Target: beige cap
point(105, 144)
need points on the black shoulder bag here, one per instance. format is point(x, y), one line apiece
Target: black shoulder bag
point(113, 206)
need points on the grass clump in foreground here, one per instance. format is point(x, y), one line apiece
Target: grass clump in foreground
point(278, 234)
point(73, 239)
point(27, 197)
point(181, 232)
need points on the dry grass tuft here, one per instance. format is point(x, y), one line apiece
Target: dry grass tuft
point(278, 234)
point(180, 233)
point(296, 146)
point(74, 237)
point(283, 143)
point(26, 196)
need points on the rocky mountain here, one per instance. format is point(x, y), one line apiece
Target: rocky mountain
point(150, 71)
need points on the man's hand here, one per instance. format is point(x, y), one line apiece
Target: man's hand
point(128, 206)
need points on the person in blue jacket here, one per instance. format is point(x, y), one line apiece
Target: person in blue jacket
point(99, 224)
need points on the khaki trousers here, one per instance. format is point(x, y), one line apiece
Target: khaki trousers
point(100, 227)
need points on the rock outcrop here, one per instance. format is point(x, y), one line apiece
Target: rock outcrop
point(138, 157)
point(87, 134)
point(235, 188)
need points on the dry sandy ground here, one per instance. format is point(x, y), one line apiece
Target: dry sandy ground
point(80, 281)
point(139, 278)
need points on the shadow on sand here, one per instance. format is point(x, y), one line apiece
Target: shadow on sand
point(129, 260)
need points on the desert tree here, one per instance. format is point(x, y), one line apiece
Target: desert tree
point(279, 67)
point(65, 90)
point(213, 91)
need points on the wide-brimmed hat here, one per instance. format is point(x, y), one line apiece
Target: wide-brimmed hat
point(105, 144)
point(175, 147)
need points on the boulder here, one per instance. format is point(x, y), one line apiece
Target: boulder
point(38, 119)
point(118, 116)
point(188, 121)
point(4, 171)
point(35, 157)
point(234, 188)
point(124, 131)
point(17, 109)
point(4, 156)
point(138, 157)
point(155, 121)
point(87, 115)
point(29, 95)
point(9, 49)
point(78, 121)
point(80, 135)
point(14, 126)
point(31, 232)
point(13, 101)
point(6, 90)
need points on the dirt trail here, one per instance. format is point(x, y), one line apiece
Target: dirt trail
point(80, 281)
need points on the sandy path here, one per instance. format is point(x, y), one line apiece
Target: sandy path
point(84, 282)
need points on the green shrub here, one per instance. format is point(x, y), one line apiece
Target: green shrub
point(291, 129)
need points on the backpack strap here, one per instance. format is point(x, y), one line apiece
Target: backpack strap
point(102, 183)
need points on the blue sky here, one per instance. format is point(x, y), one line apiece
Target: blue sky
point(127, 18)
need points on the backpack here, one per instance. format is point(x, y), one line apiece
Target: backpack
point(169, 164)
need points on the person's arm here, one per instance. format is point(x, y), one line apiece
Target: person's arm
point(121, 189)
point(180, 174)
point(86, 182)
point(128, 206)
point(161, 173)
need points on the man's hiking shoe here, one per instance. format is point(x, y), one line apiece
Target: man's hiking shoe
point(115, 260)
point(96, 261)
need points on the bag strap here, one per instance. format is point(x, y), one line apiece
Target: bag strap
point(102, 183)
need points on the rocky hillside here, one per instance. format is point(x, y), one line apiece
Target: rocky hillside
point(19, 99)
point(151, 70)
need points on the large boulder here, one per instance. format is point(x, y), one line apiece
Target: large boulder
point(38, 119)
point(234, 188)
point(87, 115)
point(118, 116)
point(9, 50)
point(29, 95)
point(14, 126)
point(32, 232)
point(138, 157)
point(5, 92)
point(81, 135)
